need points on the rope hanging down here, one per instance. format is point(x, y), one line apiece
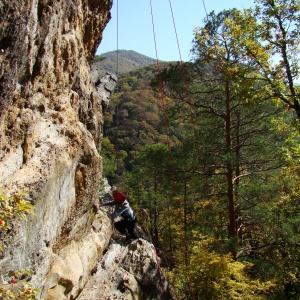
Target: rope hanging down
point(162, 100)
point(187, 90)
point(165, 118)
point(189, 102)
point(117, 109)
point(117, 73)
point(183, 237)
point(194, 129)
point(165, 122)
point(205, 8)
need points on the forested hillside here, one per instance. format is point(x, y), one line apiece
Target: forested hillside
point(121, 61)
point(210, 149)
point(134, 118)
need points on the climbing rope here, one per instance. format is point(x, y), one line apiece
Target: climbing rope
point(187, 264)
point(162, 100)
point(117, 73)
point(190, 104)
point(166, 131)
point(118, 104)
point(183, 237)
point(205, 8)
point(161, 284)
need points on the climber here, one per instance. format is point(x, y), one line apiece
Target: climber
point(122, 208)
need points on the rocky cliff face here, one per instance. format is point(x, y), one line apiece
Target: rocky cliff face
point(50, 136)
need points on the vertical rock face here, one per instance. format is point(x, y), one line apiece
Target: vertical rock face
point(50, 135)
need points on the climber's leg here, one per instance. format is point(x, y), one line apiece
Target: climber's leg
point(121, 226)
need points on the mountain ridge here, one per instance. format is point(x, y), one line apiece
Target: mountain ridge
point(119, 62)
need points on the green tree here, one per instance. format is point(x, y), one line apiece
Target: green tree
point(151, 170)
point(269, 36)
point(134, 118)
point(108, 153)
point(233, 139)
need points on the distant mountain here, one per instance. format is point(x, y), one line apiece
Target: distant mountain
point(121, 61)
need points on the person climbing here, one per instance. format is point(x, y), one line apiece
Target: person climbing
point(122, 208)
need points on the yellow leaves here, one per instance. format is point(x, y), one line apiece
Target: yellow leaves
point(228, 22)
point(24, 208)
point(276, 101)
point(259, 51)
point(217, 276)
point(28, 293)
point(24, 291)
point(21, 272)
point(228, 278)
point(242, 284)
point(5, 293)
point(12, 207)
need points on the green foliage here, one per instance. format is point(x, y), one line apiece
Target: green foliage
point(18, 291)
point(236, 143)
point(109, 158)
point(232, 161)
point(134, 119)
point(269, 37)
point(12, 207)
point(211, 275)
point(149, 181)
point(98, 58)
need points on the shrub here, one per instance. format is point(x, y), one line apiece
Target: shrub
point(12, 208)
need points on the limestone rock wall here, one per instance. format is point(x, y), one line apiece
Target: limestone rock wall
point(50, 134)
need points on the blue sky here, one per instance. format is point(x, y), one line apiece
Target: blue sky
point(133, 29)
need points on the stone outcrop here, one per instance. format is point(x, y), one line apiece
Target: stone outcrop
point(51, 118)
point(123, 270)
point(128, 272)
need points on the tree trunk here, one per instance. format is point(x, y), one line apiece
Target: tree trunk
point(185, 224)
point(237, 181)
point(229, 167)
